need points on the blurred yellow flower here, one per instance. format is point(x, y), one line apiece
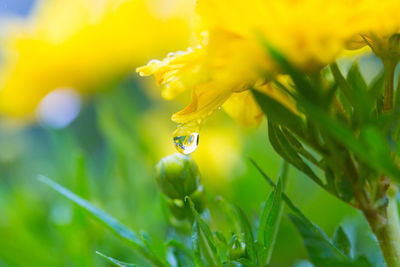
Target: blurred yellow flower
point(82, 44)
point(230, 58)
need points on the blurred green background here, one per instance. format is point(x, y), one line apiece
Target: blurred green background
point(107, 155)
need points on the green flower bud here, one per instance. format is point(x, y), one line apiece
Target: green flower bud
point(237, 248)
point(177, 175)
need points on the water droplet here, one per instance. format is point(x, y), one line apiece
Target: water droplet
point(187, 144)
point(186, 138)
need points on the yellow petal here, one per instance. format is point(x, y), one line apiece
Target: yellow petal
point(174, 72)
point(243, 108)
point(206, 98)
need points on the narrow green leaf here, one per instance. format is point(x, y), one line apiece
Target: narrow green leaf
point(319, 246)
point(345, 136)
point(152, 249)
point(277, 112)
point(342, 241)
point(119, 229)
point(376, 143)
point(299, 148)
point(116, 262)
point(204, 236)
point(248, 236)
point(285, 198)
point(202, 224)
point(361, 101)
point(264, 216)
point(180, 247)
point(196, 244)
point(110, 222)
point(343, 84)
point(270, 218)
point(376, 87)
point(222, 246)
point(285, 150)
point(320, 250)
point(355, 78)
point(272, 224)
point(314, 236)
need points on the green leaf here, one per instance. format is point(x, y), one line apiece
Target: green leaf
point(320, 249)
point(110, 222)
point(376, 143)
point(116, 262)
point(345, 136)
point(119, 229)
point(204, 237)
point(152, 249)
point(299, 148)
point(342, 241)
point(196, 235)
point(314, 236)
point(181, 248)
point(361, 101)
point(273, 220)
point(248, 236)
point(222, 246)
point(277, 112)
point(202, 224)
point(376, 87)
point(285, 150)
point(355, 78)
point(269, 223)
point(264, 216)
point(285, 198)
point(342, 82)
point(362, 261)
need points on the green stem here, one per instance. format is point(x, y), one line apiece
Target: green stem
point(386, 228)
point(389, 66)
point(389, 240)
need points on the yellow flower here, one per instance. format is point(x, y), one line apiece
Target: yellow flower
point(82, 44)
point(218, 80)
point(230, 58)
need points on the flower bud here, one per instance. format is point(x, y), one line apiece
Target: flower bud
point(177, 175)
point(237, 248)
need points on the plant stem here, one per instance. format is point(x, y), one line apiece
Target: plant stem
point(386, 228)
point(389, 68)
point(391, 238)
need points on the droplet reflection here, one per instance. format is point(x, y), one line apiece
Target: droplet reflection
point(187, 144)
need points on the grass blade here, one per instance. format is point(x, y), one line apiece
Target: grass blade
point(110, 222)
point(115, 262)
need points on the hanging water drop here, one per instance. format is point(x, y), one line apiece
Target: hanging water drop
point(186, 138)
point(187, 144)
